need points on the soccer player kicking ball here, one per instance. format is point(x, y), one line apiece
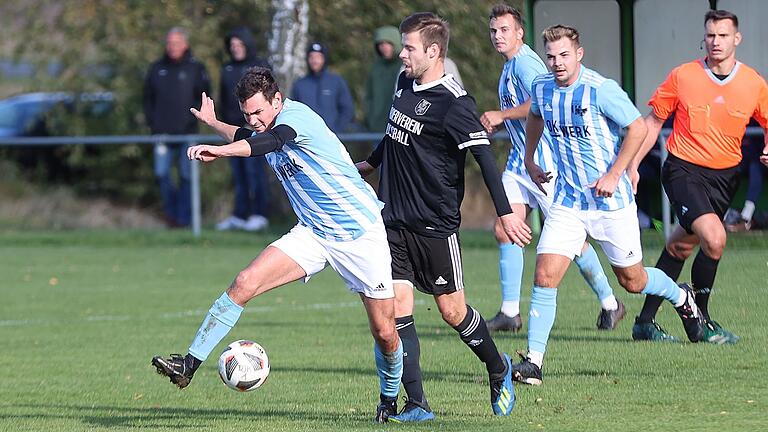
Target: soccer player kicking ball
point(339, 224)
point(521, 67)
point(432, 124)
point(712, 100)
point(584, 113)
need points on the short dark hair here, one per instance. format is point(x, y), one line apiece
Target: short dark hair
point(256, 80)
point(556, 32)
point(719, 14)
point(502, 9)
point(431, 28)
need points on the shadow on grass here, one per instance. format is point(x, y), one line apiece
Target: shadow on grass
point(176, 417)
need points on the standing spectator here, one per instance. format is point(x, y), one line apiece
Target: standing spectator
point(751, 148)
point(324, 91)
point(380, 85)
point(248, 175)
point(172, 85)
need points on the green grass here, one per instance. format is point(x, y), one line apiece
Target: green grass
point(82, 313)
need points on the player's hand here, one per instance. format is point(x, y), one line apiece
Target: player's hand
point(207, 112)
point(516, 229)
point(491, 120)
point(634, 177)
point(204, 153)
point(764, 156)
point(605, 186)
point(538, 175)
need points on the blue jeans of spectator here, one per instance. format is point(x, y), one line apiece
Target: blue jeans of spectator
point(177, 203)
point(251, 187)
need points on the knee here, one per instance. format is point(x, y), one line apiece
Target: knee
point(454, 316)
point(543, 278)
point(713, 246)
point(634, 283)
point(386, 337)
point(244, 287)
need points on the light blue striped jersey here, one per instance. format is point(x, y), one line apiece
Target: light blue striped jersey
point(585, 120)
point(323, 186)
point(515, 89)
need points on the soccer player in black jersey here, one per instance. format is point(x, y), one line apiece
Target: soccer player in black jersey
point(432, 124)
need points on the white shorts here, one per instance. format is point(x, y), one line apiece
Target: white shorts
point(617, 232)
point(364, 263)
point(521, 189)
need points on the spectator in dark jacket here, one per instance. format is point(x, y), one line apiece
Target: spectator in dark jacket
point(380, 84)
point(173, 84)
point(248, 175)
point(324, 91)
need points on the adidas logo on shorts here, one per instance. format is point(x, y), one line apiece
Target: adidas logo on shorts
point(441, 281)
point(380, 287)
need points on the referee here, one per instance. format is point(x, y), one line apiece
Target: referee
point(713, 99)
point(432, 123)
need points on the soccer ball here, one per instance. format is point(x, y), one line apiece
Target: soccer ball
point(244, 365)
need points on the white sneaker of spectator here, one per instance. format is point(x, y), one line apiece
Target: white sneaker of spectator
point(256, 223)
point(231, 223)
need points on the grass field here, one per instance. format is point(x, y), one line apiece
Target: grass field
point(81, 315)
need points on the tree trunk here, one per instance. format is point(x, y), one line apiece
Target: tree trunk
point(288, 41)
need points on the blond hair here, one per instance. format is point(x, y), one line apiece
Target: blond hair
point(556, 32)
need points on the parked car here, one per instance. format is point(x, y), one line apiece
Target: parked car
point(27, 114)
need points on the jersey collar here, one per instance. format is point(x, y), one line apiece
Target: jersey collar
point(703, 62)
point(429, 85)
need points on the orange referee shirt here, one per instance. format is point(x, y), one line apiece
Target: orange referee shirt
point(710, 115)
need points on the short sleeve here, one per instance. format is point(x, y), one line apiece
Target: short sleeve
point(463, 125)
point(535, 101)
point(614, 103)
point(761, 110)
point(664, 99)
point(527, 69)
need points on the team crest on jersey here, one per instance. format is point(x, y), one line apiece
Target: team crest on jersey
point(578, 110)
point(422, 107)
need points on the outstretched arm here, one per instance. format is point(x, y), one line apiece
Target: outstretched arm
point(492, 119)
point(207, 115)
point(256, 145)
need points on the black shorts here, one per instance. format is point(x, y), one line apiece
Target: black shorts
point(432, 265)
point(694, 190)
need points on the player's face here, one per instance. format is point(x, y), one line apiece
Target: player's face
point(563, 60)
point(506, 35)
point(260, 113)
point(721, 39)
point(415, 57)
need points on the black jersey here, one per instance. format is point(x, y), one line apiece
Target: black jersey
point(423, 153)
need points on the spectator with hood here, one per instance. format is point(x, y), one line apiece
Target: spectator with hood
point(380, 85)
point(248, 175)
point(325, 92)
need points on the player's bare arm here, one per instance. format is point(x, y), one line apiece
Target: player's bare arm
point(492, 119)
point(605, 186)
point(209, 153)
point(207, 115)
point(653, 124)
point(534, 127)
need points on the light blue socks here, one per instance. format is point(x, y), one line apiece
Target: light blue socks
point(221, 317)
point(511, 276)
point(389, 366)
point(659, 284)
point(541, 318)
point(592, 271)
